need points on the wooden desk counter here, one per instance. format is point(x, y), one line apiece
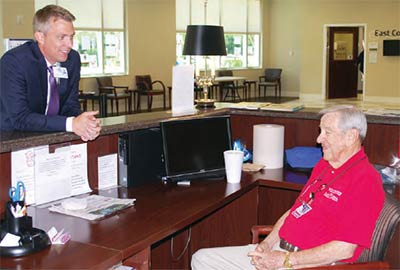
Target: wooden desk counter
point(166, 219)
point(161, 213)
point(73, 255)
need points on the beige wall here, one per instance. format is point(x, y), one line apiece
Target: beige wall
point(299, 25)
point(13, 8)
point(1, 28)
point(293, 40)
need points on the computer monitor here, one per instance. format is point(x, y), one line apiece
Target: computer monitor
point(193, 148)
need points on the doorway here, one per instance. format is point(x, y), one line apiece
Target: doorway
point(343, 76)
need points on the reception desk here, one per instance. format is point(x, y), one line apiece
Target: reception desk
point(169, 223)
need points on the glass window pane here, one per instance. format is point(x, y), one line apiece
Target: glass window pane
point(235, 57)
point(114, 60)
point(234, 15)
point(241, 20)
point(42, 3)
point(197, 12)
point(213, 12)
point(80, 9)
point(254, 16)
point(113, 14)
point(343, 46)
point(182, 16)
point(89, 46)
point(253, 50)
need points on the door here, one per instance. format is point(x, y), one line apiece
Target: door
point(343, 52)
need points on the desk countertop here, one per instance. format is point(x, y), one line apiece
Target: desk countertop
point(11, 141)
point(160, 211)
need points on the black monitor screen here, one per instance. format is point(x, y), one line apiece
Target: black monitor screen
point(194, 148)
point(391, 47)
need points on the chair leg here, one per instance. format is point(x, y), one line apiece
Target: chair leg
point(279, 89)
point(117, 106)
point(164, 101)
point(138, 109)
point(112, 106)
point(149, 102)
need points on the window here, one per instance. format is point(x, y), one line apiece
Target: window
point(241, 20)
point(100, 35)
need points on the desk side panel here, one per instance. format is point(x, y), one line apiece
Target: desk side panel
point(5, 179)
point(229, 225)
point(273, 203)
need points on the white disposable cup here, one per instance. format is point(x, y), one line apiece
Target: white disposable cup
point(233, 165)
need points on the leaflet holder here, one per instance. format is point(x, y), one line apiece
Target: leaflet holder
point(32, 239)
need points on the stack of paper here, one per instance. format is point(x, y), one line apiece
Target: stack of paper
point(97, 207)
point(284, 107)
point(250, 105)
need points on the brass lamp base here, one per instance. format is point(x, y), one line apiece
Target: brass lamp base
point(205, 103)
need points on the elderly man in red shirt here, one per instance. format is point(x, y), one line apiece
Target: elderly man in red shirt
point(334, 216)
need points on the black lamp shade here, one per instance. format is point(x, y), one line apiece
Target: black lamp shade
point(204, 40)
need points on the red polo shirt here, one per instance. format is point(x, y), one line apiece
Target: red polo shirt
point(346, 204)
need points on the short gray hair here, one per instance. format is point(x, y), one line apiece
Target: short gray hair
point(41, 20)
point(349, 117)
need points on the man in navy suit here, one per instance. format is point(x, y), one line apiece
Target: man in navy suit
point(25, 80)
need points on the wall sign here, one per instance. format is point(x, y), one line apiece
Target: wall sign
point(387, 33)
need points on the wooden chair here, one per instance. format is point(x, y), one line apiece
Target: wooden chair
point(248, 84)
point(231, 88)
point(82, 101)
point(372, 258)
point(144, 86)
point(271, 78)
point(115, 93)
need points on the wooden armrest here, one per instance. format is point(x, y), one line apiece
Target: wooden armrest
point(365, 265)
point(259, 230)
point(106, 87)
point(160, 82)
point(261, 78)
point(121, 86)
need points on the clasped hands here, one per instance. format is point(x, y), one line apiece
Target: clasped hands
point(264, 258)
point(86, 125)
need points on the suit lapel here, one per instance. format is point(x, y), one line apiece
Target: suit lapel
point(42, 76)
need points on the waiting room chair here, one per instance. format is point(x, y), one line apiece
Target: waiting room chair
point(271, 78)
point(372, 258)
point(231, 88)
point(145, 87)
point(82, 101)
point(248, 84)
point(114, 93)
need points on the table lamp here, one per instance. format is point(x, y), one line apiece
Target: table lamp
point(204, 40)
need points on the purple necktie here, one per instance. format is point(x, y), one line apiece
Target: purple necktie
point(54, 102)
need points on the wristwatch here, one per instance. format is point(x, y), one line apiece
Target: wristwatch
point(287, 264)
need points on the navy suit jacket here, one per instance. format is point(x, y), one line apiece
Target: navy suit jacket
point(23, 90)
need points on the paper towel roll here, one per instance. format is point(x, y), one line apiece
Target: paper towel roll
point(268, 145)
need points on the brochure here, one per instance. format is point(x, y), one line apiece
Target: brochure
point(97, 207)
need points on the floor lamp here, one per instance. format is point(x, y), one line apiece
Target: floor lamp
point(204, 40)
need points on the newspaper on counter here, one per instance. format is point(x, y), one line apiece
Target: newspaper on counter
point(97, 207)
